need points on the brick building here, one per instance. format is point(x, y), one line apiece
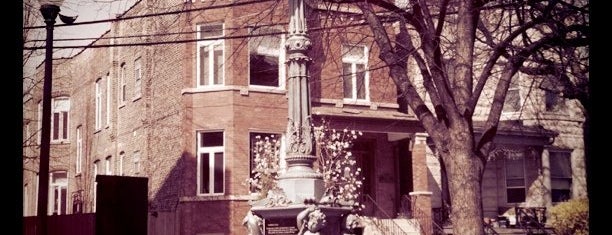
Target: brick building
point(184, 113)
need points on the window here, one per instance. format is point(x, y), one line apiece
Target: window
point(278, 145)
point(57, 192)
point(137, 163)
point(554, 101)
point(26, 203)
point(121, 158)
point(267, 57)
point(513, 97)
point(122, 87)
point(79, 150)
point(211, 171)
point(98, 118)
point(59, 119)
point(210, 55)
point(95, 184)
point(354, 75)
point(560, 176)
point(38, 135)
point(108, 165)
point(137, 78)
point(109, 83)
point(515, 180)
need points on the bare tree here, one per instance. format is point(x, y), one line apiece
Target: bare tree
point(488, 42)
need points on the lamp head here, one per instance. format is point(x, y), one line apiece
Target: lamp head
point(67, 19)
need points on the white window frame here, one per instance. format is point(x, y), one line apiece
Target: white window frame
point(98, 104)
point(39, 122)
point(354, 62)
point(109, 97)
point(121, 158)
point(211, 164)
point(282, 71)
point(524, 187)
point(551, 152)
point(108, 165)
point(514, 86)
point(62, 198)
point(79, 150)
point(137, 163)
point(122, 91)
point(137, 78)
point(210, 46)
point(54, 109)
point(95, 185)
point(26, 203)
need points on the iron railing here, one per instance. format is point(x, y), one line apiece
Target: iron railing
point(386, 225)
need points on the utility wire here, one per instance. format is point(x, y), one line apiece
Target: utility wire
point(154, 14)
point(192, 40)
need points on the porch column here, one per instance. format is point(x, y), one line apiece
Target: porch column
point(421, 196)
point(547, 197)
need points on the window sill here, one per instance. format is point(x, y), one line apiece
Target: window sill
point(60, 142)
point(357, 102)
point(217, 197)
point(244, 90)
point(121, 105)
point(136, 98)
point(97, 131)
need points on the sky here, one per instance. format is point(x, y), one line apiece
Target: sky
point(85, 10)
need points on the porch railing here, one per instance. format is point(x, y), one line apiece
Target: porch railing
point(386, 225)
point(425, 221)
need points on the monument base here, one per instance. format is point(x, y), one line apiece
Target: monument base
point(298, 189)
point(294, 219)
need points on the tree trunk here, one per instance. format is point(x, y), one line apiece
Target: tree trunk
point(464, 169)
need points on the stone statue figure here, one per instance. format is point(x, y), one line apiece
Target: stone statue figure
point(310, 221)
point(253, 224)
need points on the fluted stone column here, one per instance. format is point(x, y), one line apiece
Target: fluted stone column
point(300, 181)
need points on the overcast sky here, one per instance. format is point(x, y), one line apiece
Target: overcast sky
point(86, 10)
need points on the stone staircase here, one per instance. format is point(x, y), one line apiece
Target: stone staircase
point(398, 226)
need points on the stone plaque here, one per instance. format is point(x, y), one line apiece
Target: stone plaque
point(281, 226)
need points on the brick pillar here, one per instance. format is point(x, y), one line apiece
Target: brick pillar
point(421, 196)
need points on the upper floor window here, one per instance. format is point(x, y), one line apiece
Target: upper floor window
point(354, 74)
point(515, 180)
point(39, 122)
point(57, 192)
point(121, 159)
point(210, 55)
point(211, 172)
point(137, 78)
point(59, 119)
point(560, 175)
point(98, 114)
point(513, 97)
point(109, 98)
point(267, 57)
point(136, 162)
point(79, 150)
point(553, 101)
point(108, 165)
point(122, 85)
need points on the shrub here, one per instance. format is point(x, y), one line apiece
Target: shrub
point(571, 217)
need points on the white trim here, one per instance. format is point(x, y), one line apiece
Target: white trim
point(79, 150)
point(211, 160)
point(122, 91)
point(61, 197)
point(210, 46)
point(137, 78)
point(205, 89)
point(98, 105)
point(60, 109)
point(420, 193)
point(354, 62)
point(282, 71)
point(108, 98)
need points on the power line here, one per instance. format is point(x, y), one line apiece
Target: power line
point(154, 14)
point(191, 40)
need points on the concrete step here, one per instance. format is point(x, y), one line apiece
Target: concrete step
point(374, 226)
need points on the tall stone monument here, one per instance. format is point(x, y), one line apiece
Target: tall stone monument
point(297, 208)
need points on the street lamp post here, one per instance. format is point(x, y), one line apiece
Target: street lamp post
point(49, 9)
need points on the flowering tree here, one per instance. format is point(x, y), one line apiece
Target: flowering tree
point(264, 175)
point(337, 164)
